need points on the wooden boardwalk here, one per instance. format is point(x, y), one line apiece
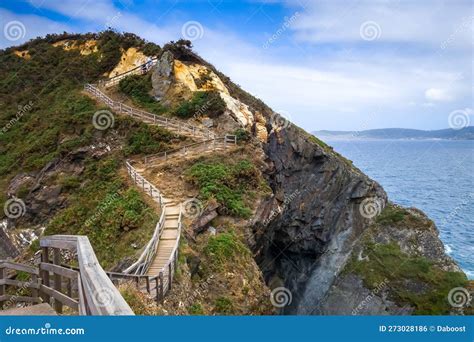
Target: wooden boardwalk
point(158, 261)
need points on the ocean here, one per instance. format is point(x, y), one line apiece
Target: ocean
point(436, 176)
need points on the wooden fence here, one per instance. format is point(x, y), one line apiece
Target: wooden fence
point(202, 146)
point(150, 118)
point(139, 70)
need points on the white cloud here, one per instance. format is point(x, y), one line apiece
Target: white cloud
point(399, 21)
point(103, 13)
point(30, 26)
point(436, 94)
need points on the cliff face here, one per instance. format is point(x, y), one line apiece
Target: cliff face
point(317, 199)
point(307, 235)
point(323, 230)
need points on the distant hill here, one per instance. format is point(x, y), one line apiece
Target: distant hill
point(399, 133)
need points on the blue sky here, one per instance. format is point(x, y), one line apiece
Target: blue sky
point(340, 65)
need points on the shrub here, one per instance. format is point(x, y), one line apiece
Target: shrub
point(207, 103)
point(223, 247)
point(226, 183)
point(138, 88)
point(224, 305)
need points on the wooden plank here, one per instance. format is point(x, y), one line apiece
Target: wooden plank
point(57, 279)
point(58, 296)
point(65, 272)
point(19, 299)
point(45, 274)
point(68, 242)
point(25, 284)
point(20, 267)
point(2, 287)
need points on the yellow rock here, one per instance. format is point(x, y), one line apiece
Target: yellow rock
point(129, 60)
point(22, 54)
point(85, 48)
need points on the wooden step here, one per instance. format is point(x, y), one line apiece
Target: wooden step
point(43, 309)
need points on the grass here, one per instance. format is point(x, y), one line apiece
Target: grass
point(202, 103)
point(388, 264)
point(55, 123)
point(196, 309)
point(227, 182)
point(396, 215)
point(110, 213)
point(224, 305)
point(138, 88)
point(224, 247)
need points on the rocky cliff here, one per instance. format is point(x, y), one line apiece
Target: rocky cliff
point(310, 222)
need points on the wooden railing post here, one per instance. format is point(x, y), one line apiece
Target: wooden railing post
point(45, 273)
point(170, 276)
point(147, 284)
point(159, 289)
point(2, 287)
point(34, 280)
point(58, 306)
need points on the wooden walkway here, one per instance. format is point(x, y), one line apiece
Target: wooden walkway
point(158, 261)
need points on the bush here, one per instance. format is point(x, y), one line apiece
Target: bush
point(224, 305)
point(207, 103)
point(242, 135)
point(226, 183)
point(224, 247)
point(138, 88)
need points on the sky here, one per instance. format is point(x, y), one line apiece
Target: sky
point(329, 64)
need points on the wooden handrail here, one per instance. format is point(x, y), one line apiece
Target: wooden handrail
point(149, 117)
point(208, 144)
point(97, 293)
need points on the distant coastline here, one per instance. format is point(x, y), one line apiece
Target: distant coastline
point(466, 133)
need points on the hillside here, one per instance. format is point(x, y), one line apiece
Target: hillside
point(278, 210)
point(466, 133)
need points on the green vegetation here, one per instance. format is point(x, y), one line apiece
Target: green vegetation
point(227, 182)
point(112, 215)
point(207, 103)
point(138, 88)
point(224, 247)
point(224, 305)
point(388, 265)
point(196, 309)
point(396, 215)
point(242, 135)
point(145, 139)
point(45, 117)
